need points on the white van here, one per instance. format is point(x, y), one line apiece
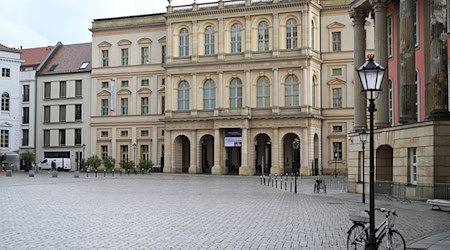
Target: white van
point(61, 164)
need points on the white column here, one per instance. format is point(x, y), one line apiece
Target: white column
point(154, 97)
point(247, 93)
point(113, 146)
point(168, 161)
point(275, 91)
point(248, 31)
point(217, 168)
point(220, 40)
point(220, 91)
point(155, 145)
point(169, 45)
point(194, 153)
point(275, 44)
point(277, 161)
point(244, 149)
point(304, 89)
point(194, 41)
point(193, 94)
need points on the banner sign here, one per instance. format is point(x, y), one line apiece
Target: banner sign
point(233, 137)
point(113, 94)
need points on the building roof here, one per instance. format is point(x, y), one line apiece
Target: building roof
point(8, 49)
point(34, 56)
point(71, 58)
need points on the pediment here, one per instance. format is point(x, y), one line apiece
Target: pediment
point(104, 44)
point(124, 42)
point(104, 93)
point(145, 91)
point(124, 92)
point(162, 89)
point(162, 39)
point(336, 81)
point(5, 125)
point(145, 40)
point(336, 25)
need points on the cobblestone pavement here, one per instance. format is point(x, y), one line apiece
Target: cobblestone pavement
point(169, 211)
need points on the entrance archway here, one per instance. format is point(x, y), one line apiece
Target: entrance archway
point(384, 163)
point(181, 154)
point(263, 154)
point(291, 153)
point(207, 153)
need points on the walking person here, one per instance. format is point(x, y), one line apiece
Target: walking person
point(53, 169)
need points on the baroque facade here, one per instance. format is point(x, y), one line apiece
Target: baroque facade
point(243, 87)
point(127, 91)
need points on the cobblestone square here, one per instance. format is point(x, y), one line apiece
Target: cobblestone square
point(162, 211)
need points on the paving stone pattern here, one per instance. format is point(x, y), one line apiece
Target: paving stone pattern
point(169, 211)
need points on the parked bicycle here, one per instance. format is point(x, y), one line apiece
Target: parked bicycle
point(386, 236)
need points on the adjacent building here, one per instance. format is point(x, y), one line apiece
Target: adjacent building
point(10, 105)
point(128, 88)
point(63, 104)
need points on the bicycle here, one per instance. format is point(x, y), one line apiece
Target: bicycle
point(385, 236)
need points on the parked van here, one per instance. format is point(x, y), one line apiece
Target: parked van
point(61, 164)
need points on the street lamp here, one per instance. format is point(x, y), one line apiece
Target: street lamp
point(371, 75)
point(335, 162)
point(82, 157)
point(295, 146)
point(363, 138)
point(134, 154)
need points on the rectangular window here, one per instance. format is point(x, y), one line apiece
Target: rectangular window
point(144, 55)
point(337, 97)
point(163, 54)
point(337, 150)
point(105, 107)
point(78, 112)
point(46, 138)
point(124, 83)
point(144, 105)
point(390, 36)
point(144, 152)
point(47, 90)
point(105, 58)
point(163, 104)
point(145, 82)
point(104, 134)
point(26, 93)
point(46, 114)
point(104, 152)
point(124, 152)
point(6, 72)
point(78, 136)
point(124, 105)
point(336, 41)
point(62, 89)
point(162, 132)
point(163, 81)
point(78, 88)
point(62, 113)
point(124, 57)
point(4, 140)
point(144, 132)
point(25, 137)
point(412, 160)
point(62, 137)
point(336, 71)
point(105, 85)
point(124, 133)
point(337, 128)
point(26, 115)
point(416, 22)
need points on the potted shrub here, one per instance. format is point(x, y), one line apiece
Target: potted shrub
point(109, 163)
point(94, 162)
point(146, 165)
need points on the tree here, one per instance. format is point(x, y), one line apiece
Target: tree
point(94, 162)
point(146, 165)
point(2, 159)
point(29, 159)
point(109, 163)
point(126, 164)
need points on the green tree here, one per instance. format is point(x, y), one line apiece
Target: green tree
point(126, 164)
point(109, 163)
point(94, 162)
point(29, 159)
point(146, 165)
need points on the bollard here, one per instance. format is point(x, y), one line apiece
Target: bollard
point(112, 171)
point(120, 171)
point(104, 172)
point(128, 170)
point(264, 180)
point(272, 180)
point(276, 182)
point(87, 172)
point(96, 172)
point(31, 173)
point(295, 183)
point(142, 171)
point(281, 182)
point(76, 174)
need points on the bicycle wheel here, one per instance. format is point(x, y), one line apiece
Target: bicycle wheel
point(392, 240)
point(357, 236)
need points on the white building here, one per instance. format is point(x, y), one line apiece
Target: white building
point(10, 104)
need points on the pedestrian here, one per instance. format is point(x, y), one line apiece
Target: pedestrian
point(53, 169)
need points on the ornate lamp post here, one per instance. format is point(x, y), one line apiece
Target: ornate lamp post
point(363, 138)
point(371, 75)
point(295, 146)
point(134, 155)
point(82, 157)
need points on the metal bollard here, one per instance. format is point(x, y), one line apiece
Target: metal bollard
point(87, 172)
point(104, 172)
point(276, 182)
point(128, 170)
point(295, 182)
point(272, 180)
point(96, 172)
point(142, 171)
point(112, 171)
point(264, 180)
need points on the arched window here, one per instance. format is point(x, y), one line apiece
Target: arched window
point(5, 101)
point(291, 34)
point(262, 92)
point(183, 96)
point(236, 38)
point(391, 102)
point(184, 42)
point(236, 93)
point(209, 94)
point(209, 40)
point(291, 91)
point(263, 36)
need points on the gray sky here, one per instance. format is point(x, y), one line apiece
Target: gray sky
point(38, 23)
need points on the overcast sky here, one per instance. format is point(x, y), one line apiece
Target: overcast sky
point(38, 23)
